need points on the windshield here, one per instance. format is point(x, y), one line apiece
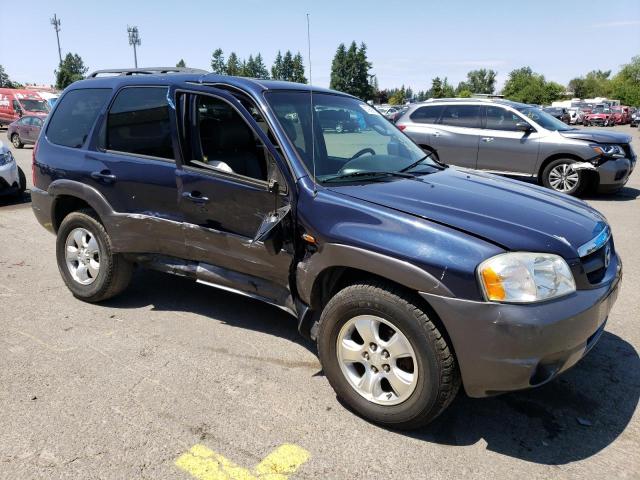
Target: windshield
point(34, 105)
point(544, 119)
point(350, 136)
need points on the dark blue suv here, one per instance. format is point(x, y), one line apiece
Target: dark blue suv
point(413, 277)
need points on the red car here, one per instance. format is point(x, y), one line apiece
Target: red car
point(600, 116)
point(620, 115)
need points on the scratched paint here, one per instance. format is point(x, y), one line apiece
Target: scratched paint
point(203, 463)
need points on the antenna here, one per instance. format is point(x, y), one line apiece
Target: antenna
point(313, 130)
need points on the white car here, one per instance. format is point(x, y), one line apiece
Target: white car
point(576, 115)
point(12, 179)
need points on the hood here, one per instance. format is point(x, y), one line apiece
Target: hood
point(597, 136)
point(509, 213)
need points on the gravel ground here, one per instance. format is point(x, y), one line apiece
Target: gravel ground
point(122, 389)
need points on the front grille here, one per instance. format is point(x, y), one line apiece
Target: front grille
point(595, 264)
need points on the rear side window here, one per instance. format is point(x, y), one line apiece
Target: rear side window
point(429, 114)
point(138, 123)
point(461, 116)
point(73, 118)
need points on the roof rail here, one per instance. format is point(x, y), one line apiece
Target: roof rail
point(144, 71)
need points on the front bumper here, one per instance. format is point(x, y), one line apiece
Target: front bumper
point(9, 179)
point(614, 174)
point(506, 347)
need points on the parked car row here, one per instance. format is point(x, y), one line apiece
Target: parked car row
point(15, 103)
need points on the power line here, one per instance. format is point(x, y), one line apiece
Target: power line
point(55, 21)
point(134, 40)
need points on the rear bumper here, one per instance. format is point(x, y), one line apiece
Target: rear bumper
point(506, 347)
point(42, 206)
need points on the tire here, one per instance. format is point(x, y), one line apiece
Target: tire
point(550, 172)
point(15, 140)
point(436, 381)
point(114, 272)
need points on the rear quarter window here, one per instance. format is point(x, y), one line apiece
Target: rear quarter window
point(429, 114)
point(76, 113)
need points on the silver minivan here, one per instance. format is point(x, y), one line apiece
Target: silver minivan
point(516, 139)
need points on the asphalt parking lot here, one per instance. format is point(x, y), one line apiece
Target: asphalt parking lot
point(127, 388)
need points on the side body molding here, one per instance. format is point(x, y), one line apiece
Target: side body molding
point(330, 255)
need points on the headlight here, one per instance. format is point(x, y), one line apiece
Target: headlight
point(611, 151)
point(6, 158)
point(523, 277)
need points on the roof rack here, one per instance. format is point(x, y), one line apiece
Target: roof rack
point(143, 71)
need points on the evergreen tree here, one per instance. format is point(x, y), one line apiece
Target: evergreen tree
point(217, 62)
point(436, 88)
point(276, 69)
point(287, 66)
point(298, 69)
point(249, 67)
point(181, 63)
point(5, 81)
point(260, 69)
point(338, 69)
point(233, 65)
point(70, 70)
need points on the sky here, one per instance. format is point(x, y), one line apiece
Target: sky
point(409, 42)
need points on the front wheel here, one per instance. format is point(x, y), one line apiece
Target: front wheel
point(89, 267)
point(385, 358)
point(559, 175)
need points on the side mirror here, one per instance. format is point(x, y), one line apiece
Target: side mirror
point(270, 231)
point(524, 127)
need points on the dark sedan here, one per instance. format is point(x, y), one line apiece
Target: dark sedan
point(561, 114)
point(25, 130)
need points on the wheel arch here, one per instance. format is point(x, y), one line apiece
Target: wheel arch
point(70, 196)
point(553, 157)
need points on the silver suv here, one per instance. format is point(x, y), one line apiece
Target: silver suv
point(516, 139)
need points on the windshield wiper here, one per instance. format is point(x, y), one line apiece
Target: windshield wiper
point(418, 162)
point(368, 173)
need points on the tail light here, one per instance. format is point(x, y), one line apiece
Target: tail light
point(33, 163)
point(401, 127)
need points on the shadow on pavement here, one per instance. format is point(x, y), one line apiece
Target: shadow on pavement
point(569, 419)
point(10, 200)
point(624, 195)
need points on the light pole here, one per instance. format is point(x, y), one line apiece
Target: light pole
point(55, 21)
point(134, 40)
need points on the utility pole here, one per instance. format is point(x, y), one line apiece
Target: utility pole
point(134, 40)
point(55, 21)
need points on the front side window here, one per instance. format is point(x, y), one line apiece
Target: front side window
point(225, 142)
point(499, 118)
point(138, 123)
point(350, 136)
point(544, 119)
point(75, 115)
point(461, 116)
point(429, 114)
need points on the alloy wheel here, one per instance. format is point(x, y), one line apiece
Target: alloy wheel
point(377, 360)
point(82, 254)
point(563, 178)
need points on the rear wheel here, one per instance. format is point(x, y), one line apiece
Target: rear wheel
point(559, 175)
point(86, 261)
point(384, 357)
point(16, 141)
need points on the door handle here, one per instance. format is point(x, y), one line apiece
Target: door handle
point(487, 139)
point(105, 175)
point(437, 134)
point(194, 197)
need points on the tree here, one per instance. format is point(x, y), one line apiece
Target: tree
point(554, 91)
point(248, 67)
point(287, 66)
point(597, 83)
point(339, 80)
point(578, 87)
point(466, 93)
point(217, 62)
point(233, 65)
point(398, 97)
point(298, 69)
point(276, 69)
point(70, 70)
point(523, 85)
point(5, 81)
point(625, 85)
point(260, 69)
point(181, 63)
point(481, 81)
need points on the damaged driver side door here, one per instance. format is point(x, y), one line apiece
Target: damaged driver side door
point(233, 196)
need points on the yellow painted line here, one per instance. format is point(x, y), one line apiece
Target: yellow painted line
point(205, 464)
